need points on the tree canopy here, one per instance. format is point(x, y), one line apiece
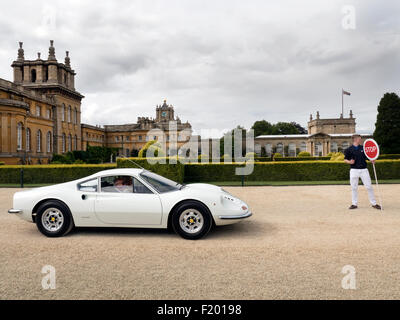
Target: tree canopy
point(263, 127)
point(387, 126)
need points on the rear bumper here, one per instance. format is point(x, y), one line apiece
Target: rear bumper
point(235, 217)
point(13, 211)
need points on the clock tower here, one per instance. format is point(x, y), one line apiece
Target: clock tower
point(165, 112)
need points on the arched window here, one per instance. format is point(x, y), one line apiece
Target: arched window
point(63, 143)
point(63, 112)
point(268, 149)
point(69, 142)
point(39, 141)
point(28, 139)
point(69, 114)
point(33, 75)
point(345, 145)
point(334, 147)
point(279, 148)
point(19, 136)
point(318, 149)
point(292, 149)
point(48, 142)
point(75, 143)
point(303, 146)
point(75, 115)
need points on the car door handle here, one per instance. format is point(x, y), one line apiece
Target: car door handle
point(84, 197)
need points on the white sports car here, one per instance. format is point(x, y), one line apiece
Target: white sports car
point(134, 198)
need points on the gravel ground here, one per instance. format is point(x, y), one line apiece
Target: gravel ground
point(294, 247)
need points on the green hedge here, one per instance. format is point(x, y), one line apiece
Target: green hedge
point(48, 173)
point(286, 171)
point(172, 171)
point(389, 156)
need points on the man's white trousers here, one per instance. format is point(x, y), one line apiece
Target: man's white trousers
point(355, 175)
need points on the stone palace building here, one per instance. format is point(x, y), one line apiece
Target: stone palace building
point(40, 114)
point(324, 136)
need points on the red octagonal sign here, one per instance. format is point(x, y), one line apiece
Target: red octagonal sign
point(371, 149)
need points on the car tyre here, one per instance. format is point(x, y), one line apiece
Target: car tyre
point(191, 220)
point(54, 219)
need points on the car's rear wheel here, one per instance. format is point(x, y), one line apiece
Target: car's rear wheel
point(191, 220)
point(54, 219)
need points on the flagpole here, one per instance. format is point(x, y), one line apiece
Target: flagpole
point(342, 104)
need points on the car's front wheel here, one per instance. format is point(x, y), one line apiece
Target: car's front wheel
point(191, 220)
point(54, 219)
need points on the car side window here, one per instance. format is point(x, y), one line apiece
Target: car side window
point(139, 187)
point(88, 186)
point(117, 184)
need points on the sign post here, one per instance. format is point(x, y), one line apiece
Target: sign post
point(371, 151)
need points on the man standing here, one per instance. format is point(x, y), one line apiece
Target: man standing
point(354, 155)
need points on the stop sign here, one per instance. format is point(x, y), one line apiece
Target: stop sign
point(371, 149)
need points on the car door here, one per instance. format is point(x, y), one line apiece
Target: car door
point(124, 200)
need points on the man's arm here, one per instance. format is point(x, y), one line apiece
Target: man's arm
point(347, 157)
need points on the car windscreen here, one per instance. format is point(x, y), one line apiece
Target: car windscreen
point(160, 183)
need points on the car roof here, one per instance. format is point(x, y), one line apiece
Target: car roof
point(119, 171)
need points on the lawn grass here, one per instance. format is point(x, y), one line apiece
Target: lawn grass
point(295, 183)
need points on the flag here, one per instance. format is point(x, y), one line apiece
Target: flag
point(346, 92)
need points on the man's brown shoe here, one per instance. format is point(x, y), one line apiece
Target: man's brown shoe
point(377, 206)
point(353, 207)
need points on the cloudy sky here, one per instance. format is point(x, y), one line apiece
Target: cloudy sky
point(220, 63)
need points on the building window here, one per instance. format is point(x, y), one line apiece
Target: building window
point(292, 150)
point(69, 114)
point(63, 143)
point(63, 112)
point(257, 149)
point(39, 141)
point(19, 136)
point(75, 115)
point(318, 149)
point(38, 111)
point(334, 147)
point(69, 142)
point(48, 113)
point(75, 143)
point(28, 139)
point(279, 148)
point(345, 145)
point(268, 149)
point(33, 75)
point(116, 138)
point(48, 142)
point(140, 138)
point(303, 147)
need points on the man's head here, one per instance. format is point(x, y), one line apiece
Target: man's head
point(356, 139)
point(119, 181)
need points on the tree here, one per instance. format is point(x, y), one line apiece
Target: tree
point(387, 126)
point(232, 133)
point(262, 127)
point(299, 127)
point(285, 128)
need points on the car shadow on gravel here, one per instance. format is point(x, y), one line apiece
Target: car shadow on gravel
point(242, 229)
point(120, 232)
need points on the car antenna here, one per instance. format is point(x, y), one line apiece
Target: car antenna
point(133, 162)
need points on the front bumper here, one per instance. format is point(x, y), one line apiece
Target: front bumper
point(237, 216)
point(13, 211)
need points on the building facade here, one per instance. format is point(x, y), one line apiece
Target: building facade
point(40, 114)
point(130, 138)
point(324, 136)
